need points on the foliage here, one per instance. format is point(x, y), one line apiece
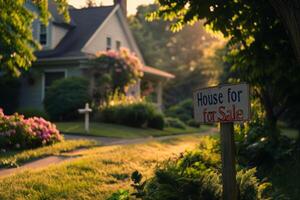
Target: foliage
point(17, 43)
point(193, 123)
point(16, 158)
point(130, 111)
point(16, 132)
point(156, 121)
point(255, 142)
point(139, 114)
point(65, 97)
point(120, 195)
point(115, 71)
point(9, 96)
point(197, 175)
point(183, 110)
point(259, 51)
point(174, 122)
point(190, 52)
point(33, 112)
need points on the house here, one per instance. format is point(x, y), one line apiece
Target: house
point(68, 47)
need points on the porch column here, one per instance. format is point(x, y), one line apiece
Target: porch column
point(159, 93)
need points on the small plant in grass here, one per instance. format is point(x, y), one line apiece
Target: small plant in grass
point(174, 122)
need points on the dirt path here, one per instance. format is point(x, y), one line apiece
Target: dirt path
point(105, 141)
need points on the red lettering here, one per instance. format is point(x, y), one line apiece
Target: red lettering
point(222, 113)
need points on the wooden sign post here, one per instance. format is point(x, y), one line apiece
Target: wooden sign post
point(225, 104)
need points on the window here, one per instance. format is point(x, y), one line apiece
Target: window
point(50, 77)
point(43, 34)
point(118, 45)
point(108, 43)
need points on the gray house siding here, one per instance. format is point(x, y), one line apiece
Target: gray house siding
point(32, 93)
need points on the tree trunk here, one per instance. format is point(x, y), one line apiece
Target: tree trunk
point(271, 116)
point(289, 13)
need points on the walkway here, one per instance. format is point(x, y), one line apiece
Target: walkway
point(105, 141)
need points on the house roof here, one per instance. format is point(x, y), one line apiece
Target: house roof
point(84, 23)
point(158, 72)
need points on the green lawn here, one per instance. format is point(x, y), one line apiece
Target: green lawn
point(15, 158)
point(97, 174)
point(119, 131)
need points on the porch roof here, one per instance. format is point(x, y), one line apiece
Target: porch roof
point(157, 72)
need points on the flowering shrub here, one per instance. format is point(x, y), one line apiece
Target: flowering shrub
point(16, 132)
point(113, 70)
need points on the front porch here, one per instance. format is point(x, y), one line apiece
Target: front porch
point(152, 85)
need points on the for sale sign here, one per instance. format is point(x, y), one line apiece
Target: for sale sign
point(227, 103)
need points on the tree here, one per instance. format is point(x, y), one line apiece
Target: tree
point(289, 13)
point(259, 48)
point(186, 53)
point(16, 41)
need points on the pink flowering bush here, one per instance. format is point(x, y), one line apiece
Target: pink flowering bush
point(16, 132)
point(115, 70)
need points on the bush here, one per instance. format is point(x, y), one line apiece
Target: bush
point(65, 97)
point(174, 122)
point(193, 123)
point(33, 112)
point(16, 132)
point(136, 114)
point(196, 175)
point(182, 110)
point(156, 121)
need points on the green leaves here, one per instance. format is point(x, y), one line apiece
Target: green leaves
point(16, 41)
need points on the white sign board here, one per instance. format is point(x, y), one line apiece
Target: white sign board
point(227, 103)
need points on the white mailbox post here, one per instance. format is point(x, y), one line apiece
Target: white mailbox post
point(86, 111)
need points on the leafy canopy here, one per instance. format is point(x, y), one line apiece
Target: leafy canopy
point(16, 41)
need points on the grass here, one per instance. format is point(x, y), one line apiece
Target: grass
point(290, 133)
point(16, 158)
point(100, 172)
point(119, 131)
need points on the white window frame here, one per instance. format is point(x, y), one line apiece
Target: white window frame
point(44, 79)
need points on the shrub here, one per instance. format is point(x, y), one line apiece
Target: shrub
point(137, 114)
point(174, 122)
point(120, 195)
point(16, 132)
point(33, 112)
point(156, 121)
point(193, 123)
point(182, 110)
point(65, 97)
point(196, 175)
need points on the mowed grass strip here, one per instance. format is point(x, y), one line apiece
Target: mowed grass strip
point(16, 158)
point(100, 172)
point(119, 131)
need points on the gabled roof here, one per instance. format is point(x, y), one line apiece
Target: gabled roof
point(84, 23)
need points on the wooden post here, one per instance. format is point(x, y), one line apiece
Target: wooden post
point(228, 162)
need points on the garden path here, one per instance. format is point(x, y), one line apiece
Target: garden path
point(105, 141)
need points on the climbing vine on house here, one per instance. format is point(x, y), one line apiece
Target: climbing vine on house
point(114, 70)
